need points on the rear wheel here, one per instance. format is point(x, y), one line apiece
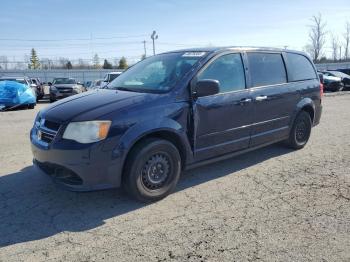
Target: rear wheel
point(301, 130)
point(31, 106)
point(152, 170)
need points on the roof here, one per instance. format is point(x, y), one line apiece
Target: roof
point(235, 48)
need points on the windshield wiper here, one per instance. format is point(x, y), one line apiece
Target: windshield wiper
point(126, 89)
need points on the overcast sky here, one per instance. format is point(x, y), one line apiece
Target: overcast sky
point(110, 28)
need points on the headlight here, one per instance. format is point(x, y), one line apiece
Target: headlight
point(88, 131)
point(53, 88)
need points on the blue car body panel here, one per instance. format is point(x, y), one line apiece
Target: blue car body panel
point(13, 94)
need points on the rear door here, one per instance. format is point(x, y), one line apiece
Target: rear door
point(222, 121)
point(274, 98)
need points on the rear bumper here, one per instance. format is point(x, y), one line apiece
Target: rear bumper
point(78, 169)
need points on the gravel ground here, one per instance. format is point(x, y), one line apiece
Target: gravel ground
point(273, 204)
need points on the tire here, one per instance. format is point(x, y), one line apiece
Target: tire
point(31, 106)
point(341, 87)
point(152, 170)
point(301, 131)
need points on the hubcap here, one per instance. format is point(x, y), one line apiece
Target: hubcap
point(301, 131)
point(155, 171)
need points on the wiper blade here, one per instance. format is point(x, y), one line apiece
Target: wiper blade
point(126, 89)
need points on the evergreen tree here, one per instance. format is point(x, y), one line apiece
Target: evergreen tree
point(69, 65)
point(96, 61)
point(123, 63)
point(34, 60)
point(107, 65)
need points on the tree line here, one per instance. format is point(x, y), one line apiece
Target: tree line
point(65, 63)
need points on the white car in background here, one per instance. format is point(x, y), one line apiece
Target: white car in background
point(109, 77)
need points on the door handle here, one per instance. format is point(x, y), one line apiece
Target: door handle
point(260, 98)
point(245, 101)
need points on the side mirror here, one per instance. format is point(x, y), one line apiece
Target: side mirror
point(321, 78)
point(49, 83)
point(207, 87)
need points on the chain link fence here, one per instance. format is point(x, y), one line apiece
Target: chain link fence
point(81, 75)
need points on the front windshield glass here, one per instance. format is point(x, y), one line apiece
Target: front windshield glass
point(60, 81)
point(157, 73)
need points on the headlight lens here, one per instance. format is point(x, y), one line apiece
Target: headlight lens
point(87, 131)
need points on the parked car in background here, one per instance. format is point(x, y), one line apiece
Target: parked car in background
point(39, 88)
point(344, 77)
point(346, 70)
point(17, 92)
point(174, 111)
point(87, 85)
point(109, 77)
point(332, 83)
point(64, 87)
point(97, 84)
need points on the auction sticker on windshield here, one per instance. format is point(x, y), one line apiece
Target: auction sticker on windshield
point(193, 54)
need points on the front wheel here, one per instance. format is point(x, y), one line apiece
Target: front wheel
point(152, 170)
point(301, 131)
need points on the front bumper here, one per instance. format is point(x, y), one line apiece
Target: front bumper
point(55, 95)
point(77, 167)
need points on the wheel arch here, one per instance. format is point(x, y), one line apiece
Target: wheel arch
point(307, 105)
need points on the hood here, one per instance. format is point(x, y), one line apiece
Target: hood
point(65, 85)
point(93, 104)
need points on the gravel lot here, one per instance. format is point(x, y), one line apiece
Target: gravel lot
point(273, 204)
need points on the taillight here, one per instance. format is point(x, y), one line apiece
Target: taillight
point(321, 90)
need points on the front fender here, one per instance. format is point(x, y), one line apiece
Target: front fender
point(142, 129)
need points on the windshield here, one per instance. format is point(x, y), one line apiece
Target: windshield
point(59, 81)
point(157, 73)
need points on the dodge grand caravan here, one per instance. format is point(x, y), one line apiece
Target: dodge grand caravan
point(174, 111)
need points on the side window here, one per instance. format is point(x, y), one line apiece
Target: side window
point(266, 69)
point(228, 70)
point(299, 68)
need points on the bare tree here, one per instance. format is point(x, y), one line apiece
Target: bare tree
point(317, 37)
point(335, 47)
point(4, 62)
point(347, 40)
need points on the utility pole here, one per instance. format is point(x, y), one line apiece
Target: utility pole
point(144, 47)
point(154, 36)
point(340, 53)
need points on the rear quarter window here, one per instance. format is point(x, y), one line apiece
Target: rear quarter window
point(299, 68)
point(266, 69)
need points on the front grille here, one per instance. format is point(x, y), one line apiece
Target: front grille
point(65, 90)
point(46, 137)
point(46, 130)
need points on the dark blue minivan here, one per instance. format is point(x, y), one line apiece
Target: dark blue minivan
point(174, 111)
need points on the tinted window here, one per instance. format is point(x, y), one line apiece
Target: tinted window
point(266, 69)
point(299, 67)
point(228, 70)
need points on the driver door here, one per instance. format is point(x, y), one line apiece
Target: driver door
point(223, 121)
